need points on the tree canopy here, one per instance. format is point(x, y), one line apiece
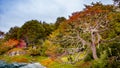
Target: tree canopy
point(90, 34)
point(90, 27)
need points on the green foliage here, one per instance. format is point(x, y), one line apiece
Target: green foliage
point(109, 55)
point(3, 49)
point(21, 58)
point(1, 41)
point(101, 62)
point(31, 31)
point(59, 20)
point(48, 29)
point(34, 51)
point(13, 33)
point(59, 65)
point(52, 50)
point(88, 57)
point(37, 50)
point(114, 55)
point(54, 40)
point(85, 28)
point(114, 64)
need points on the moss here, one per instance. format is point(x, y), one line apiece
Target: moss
point(60, 65)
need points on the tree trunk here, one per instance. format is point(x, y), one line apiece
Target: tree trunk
point(94, 53)
point(93, 48)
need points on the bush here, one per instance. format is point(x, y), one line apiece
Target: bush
point(88, 57)
point(47, 62)
point(113, 63)
point(101, 62)
point(4, 47)
point(36, 50)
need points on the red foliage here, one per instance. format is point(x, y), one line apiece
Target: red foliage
point(22, 44)
point(90, 10)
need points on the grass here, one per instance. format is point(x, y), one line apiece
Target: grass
point(83, 64)
point(65, 58)
point(60, 65)
point(22, 58)
point(45, 61)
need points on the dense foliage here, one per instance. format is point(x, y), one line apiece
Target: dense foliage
point(88, 39)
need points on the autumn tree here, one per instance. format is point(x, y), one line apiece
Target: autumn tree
point(7, 45)
point(90, 27)
point(92, 23)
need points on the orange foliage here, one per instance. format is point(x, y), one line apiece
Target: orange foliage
point(90, 10)
point(52, 52)
point(47, 62)
point(20, 59)
point(51, 48)
point(11, 43)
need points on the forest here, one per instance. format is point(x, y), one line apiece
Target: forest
point(88, 39)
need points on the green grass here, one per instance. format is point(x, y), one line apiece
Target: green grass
point(60, 65)
point(39, 59)
point(65, 58)
point(22, 58)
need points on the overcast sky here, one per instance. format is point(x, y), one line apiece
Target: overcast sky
point(17, 12)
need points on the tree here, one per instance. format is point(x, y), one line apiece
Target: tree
point(5, 46)
point(1, 37)
point(48, 29)
point(32, 31)
point(59, 21)
point(91, 27)
point(13, 33)
point(93, 21)
point(1, 34)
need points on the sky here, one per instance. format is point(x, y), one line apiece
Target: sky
point(17, 12)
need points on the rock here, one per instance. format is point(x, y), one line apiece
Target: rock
point(2, 64)
point(12, 65)
point(33, 65)
point(16, 51)
point(20, 65)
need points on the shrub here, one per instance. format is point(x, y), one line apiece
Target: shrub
point(47, 62)
point(88, 57)
point(8, 45)
point(101, 62)
point(37, 50)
